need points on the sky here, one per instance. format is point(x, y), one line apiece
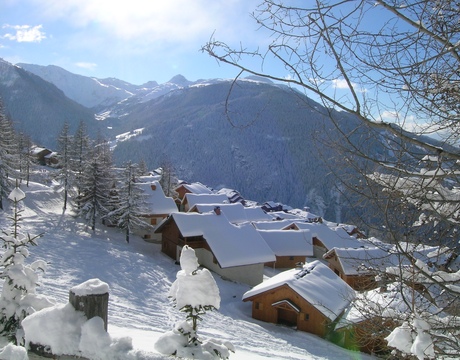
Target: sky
point(136, 41)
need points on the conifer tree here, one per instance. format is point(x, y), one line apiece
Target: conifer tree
point(95, 188)
point(8, 155)
point(24, 147)
point(79, 158)
point(65, 152)
point(168, 179)
point(130, 207)
point(18, 297)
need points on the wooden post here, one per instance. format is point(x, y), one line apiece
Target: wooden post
point(92, 298)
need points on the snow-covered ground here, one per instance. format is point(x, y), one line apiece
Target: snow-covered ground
point(139, 277)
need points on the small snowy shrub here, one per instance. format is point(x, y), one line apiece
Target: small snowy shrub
point(194, 292)
point(18, 298)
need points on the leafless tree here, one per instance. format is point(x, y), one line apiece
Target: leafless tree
point(395, 66)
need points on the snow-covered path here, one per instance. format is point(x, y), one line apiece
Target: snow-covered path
point(140, 276)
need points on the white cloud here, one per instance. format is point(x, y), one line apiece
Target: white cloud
point(151, 21)
point(342, 84)
point(86, 65)
point(25, 33)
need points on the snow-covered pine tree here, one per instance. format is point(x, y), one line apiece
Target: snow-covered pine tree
point(95, 188)
point(79, 157)
point(194, 292)
point(24, 146)
point(65, 174)
point(130, 206)
point(8, 155)
point(18, 298)
point(168, 180)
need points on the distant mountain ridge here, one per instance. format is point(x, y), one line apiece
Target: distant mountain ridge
point(37, 107)
point(268, 143)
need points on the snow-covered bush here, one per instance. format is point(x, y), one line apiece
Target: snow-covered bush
point(194, 292)
point(413, 339)
point(18, 298)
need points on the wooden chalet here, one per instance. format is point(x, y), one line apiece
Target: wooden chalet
point(235, 252)
point(325, 238)
point(190, 200)
point(194, 188)
point(158, 207)
point(359, 267)
point(39, 154)
point(289, 247)
point(311, 298)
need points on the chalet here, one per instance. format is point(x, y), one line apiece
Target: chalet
point(190, 200)
point(233, 195)
point(325, 238)
point(289, 247)
point(52, 158)
point(194, 188)
point(236, 252)
point(358, 267)
point(271, 206)
point(311, 298)
point(39, 154)
point(158, 207)
point(233, 212)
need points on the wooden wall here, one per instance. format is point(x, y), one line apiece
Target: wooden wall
point(309, 319)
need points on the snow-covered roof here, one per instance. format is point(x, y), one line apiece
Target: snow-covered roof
point(255, 213)
point(272, 224)
point(196, 188)
point(363, 260)
point(232, 245)
point(331, 238)
point(234, 212)
point(284, 215)
point(195, 199)
point(316, 283)
point(156, 200)
point(288, 243)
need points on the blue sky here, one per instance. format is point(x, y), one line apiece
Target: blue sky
point(136, 40)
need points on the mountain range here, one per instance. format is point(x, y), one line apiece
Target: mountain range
point(263, 139)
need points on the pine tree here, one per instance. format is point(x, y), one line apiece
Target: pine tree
point(95, 187)
point(24, 147)
point(65, 152)
point(18, 297)
point(8, 155)
point(130, 207)
point(168, 179)
point(79, 158)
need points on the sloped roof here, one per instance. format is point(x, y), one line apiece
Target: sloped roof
point(331, 238)
point(156, 201)
point(196, 188)
point(232, 245)
point(234, 212)
point(255, 213)
point(363, 260)
point(288, 243)
point(272, 224)
point(316, 283)
point(195, 199)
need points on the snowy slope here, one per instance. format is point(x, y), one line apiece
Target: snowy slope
point(139, 277)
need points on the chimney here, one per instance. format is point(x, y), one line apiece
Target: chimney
point(217, 210)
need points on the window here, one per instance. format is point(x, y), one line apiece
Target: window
point(306, 317)
point(153, 221)
point(258, 305)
